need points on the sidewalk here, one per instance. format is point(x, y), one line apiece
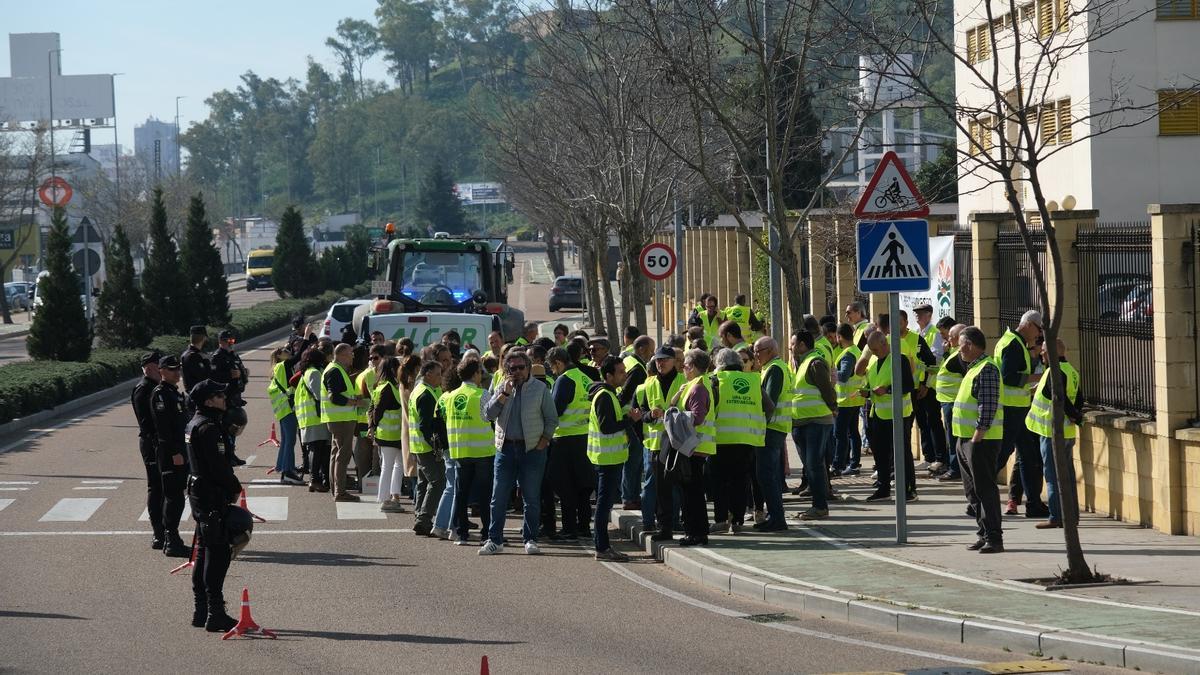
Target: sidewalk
point(850, 568)
point(19, 326)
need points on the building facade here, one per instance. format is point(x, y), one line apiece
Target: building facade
point(155, 143)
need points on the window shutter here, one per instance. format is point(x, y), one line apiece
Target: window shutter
point(1064, 121)
point(985, 42)
point(1045, 18)
point(972, 52)
point(1178, 113)
point(1046, 124)
point(1062, 10)
point(985, 133)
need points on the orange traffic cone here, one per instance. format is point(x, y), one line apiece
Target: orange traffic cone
point(246, 624)
point(483, 666)
point(242, 503)
point(191, 561)
point(273, 439)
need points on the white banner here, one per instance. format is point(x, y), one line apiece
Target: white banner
point(941, 280)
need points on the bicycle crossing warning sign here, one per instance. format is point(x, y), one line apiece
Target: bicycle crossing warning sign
point(891, 193)
point(893, 256)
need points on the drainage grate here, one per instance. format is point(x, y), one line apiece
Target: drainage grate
point(770, 618)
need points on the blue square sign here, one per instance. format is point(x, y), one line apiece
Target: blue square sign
point(893, 256)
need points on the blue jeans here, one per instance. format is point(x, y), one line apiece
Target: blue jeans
point(810, 442)
point(515, 464)
point(631, 480)
point(951, 439)
point(848, 452)
point(1053, 498)
point(649, 489)
point(769, 471)
point(445, 507)
point(285, 459)
point(608, 480)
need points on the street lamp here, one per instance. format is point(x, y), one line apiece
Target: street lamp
point(116, 145)
point(50, 82)
point(178, 165)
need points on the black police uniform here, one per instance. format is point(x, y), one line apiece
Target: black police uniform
point(222, 363)
point(211, 488)
point(147, 444)
point(196, 367)
point(170, 419)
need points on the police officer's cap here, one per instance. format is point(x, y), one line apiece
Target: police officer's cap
point(664, 352)
point(169, 362)
point(923, 307)
point(599, 341)
point(199, 330)
point(226, 335)
point(204, 389)
point(151, 357)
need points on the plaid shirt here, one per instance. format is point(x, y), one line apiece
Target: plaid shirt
point(986, 391)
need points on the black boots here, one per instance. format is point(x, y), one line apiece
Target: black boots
point(218, 621)
point(175, 548)
point(200, 612)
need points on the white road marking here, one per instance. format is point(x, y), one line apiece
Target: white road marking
point(273, 509)
point(272, 484)
point(18, 482)
point(734, 614)
point(106, 481)
point(5, 502)
point(96, 487)
point(13, 489)
point(257, 532)
point(359, 511)
point(186, 517)
point(73, 510)
point(250, 459)
point(264, 480)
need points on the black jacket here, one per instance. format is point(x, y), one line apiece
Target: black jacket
point(608, 415)
point(212, 485)
point(223, 362)
point(196, 367)
point(142, 412)
point(170, 419)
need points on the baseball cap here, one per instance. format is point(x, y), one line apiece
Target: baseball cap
point(923, 307)
point(204, 389)
point(151, 357)
point(226, 335)
point(169, 362)
point(664, 352)
point(199, 330)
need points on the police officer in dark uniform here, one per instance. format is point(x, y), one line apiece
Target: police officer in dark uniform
point(211, 488)
point(196, 366)
point(170, 419)
point(227, 368)
point(147, 441)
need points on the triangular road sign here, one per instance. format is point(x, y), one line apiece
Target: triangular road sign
point(85, 231)
point(894, 259)
point(891, 194)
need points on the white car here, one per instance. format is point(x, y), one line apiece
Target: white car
point(340, 314)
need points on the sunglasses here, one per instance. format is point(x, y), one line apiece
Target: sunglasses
point(518, 367)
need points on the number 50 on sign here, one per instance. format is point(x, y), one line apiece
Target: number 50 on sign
point(657, 261)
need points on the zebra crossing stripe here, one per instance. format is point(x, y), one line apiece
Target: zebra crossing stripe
point(5, 502)
point(73, 510)
point(187, 514)
point(359, 511)
point(273, 509)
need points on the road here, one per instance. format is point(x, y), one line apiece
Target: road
point(347, 587)
point(12, 348)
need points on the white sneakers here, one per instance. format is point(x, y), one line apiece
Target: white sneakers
point(440, 533)
point(490, 548)
point(531, 548)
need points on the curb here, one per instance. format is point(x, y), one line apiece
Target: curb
point(14, 335)
point(112, 394)
point(947, 627)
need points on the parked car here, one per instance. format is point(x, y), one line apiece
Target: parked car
point(17, 294)
point(340, 314)
point(1112, 291)
point(1139, 305)
point(567, 292)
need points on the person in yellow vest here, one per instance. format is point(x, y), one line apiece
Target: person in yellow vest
point(314, 434)
point(628, 337)
point(978, 424)
point(946, 383)
point(1040, 421)
point(607, 450)
point(741, 427)
point(813, 404)
point(365, 381)
point(640, 351)
point(729, 336)
point(696, 400)
point(528, 334)
point(471, 444)
point(847, 455)
point(338, 401)
point(281, 393)
point(823, 346)
point(710, 320)
point(663, 383)
point(1017, 354)
point(777, 404)
point(741, 314)
point(926, 411)
point(386, 428)
point(426, 443)
point(570, 471)
point(856, 316)
point(560, 335)
point(879, 381)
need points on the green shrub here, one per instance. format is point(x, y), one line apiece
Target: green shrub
point(27, 387)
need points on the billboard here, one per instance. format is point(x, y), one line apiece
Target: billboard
point(79, 100)
point(480, 193)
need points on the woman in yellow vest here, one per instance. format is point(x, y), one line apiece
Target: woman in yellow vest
point(281, 392)
point(425, 444)
point(314, 435)
point(472, 447)
point(883, 388)
point(1040, 421)
point(697, 401)
point(662, 384)
point(366, 455)
point(847, 454)
point(741, 425)
point(387, 429)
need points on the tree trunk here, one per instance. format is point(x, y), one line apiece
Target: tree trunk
point(609, 326)
point(793, 287)
point(5, 310)
point(591, 287)
point(554, 257)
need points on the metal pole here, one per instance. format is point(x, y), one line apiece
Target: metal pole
point(87, 270)
point(116, 146)
point(50, 82)
point(680, 309)
point(659, 313)
point(178, 162)
point(774, 273)
point(897, 418)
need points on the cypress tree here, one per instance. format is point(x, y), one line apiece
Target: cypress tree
point(168, 304)
point(120, 313)
point(437, 203)
point(295, 272)
point(200, 264)
point(60, 331)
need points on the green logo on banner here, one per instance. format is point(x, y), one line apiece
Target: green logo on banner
point(741, 385)
point(460, 403)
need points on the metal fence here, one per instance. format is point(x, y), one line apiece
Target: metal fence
point(1018, 285)
point(1116, 317)
point(964, 275)
point(830, 290)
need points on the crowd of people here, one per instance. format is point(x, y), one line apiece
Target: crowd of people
point(563, 428)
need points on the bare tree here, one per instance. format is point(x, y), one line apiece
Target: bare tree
point(1012, 125)
point(22, 161)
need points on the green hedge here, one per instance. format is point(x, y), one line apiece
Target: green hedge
point(27, 387)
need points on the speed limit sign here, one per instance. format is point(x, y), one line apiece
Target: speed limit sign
point(657, 261)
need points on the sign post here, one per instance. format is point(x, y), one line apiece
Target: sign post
point(657, 262)
point(893, 257)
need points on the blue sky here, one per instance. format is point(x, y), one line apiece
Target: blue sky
point(169, 49)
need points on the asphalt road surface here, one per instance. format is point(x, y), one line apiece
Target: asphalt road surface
point(352, 589)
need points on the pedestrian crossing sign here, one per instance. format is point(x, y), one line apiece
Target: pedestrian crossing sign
point(893, 256)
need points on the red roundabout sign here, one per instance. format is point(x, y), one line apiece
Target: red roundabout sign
point(55, 191)
point(657, 261)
